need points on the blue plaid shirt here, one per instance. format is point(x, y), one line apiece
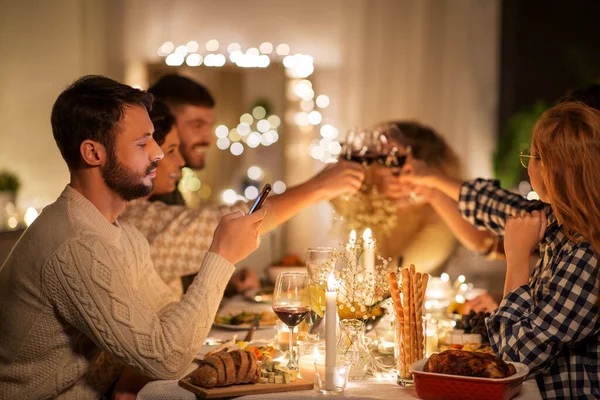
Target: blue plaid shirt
point(551, 324)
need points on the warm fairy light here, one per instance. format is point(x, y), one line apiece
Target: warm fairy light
point(263, 125)
point(192, 46)
point(259, 112)
point(533, 196)
point(174, 60)
point(283, 49)
point(251, 192)
point(212, 45)
point(12, 222)
point(247, 118)
point(181, 50)
point(229, 196)
point(335, 148)
point(445, 277)
point(274, 121)
point(223, 143)
point(222, 131)
point(243, 128)
point(329, 131)
point(236, 149)
point(315, 118)
point(460, 298)
point(463, 287)
point(462, 279)
point(279, 187)
point(331, 283)
point(253, 140)
point(317, 152)
point(233, 47)
point(30, 215)
point(322, 101)
point(165, 49)
point(352, 237)
point(266, 48)
point(255, 173)
point(194, 60)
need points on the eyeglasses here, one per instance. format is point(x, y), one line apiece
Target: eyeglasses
point(526, 156)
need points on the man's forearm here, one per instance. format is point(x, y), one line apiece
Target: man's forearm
point(449, 186)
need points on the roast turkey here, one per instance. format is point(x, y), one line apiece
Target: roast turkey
point(468, 363)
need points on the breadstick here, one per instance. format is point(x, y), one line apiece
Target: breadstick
point(413, 315)
point(419, 316)
point(395, 292)
point(406, 331)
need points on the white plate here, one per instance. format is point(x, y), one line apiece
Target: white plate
point(239, 327)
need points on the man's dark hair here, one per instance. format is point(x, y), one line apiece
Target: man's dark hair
point(590, 96)
point(92, 108)
point(177, 90)
point(162, 119)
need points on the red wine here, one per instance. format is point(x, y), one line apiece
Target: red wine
point(381, 159)
point(291, 316)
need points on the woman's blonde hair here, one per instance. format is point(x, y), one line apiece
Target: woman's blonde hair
point(567, 140)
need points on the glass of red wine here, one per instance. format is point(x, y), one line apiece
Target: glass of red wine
point(291, 303)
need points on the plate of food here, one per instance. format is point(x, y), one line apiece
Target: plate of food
point(244, 319)
point(231, 373)
point(467, 375)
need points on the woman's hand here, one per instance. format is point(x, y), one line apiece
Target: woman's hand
point(417, 172)
point(523, 233)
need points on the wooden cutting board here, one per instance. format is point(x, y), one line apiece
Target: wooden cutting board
point(244, 390)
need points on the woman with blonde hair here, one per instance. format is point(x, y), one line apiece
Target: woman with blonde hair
point(549, 319)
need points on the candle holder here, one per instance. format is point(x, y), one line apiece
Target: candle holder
point(340, 377)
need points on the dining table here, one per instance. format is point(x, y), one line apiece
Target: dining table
point(366, 388)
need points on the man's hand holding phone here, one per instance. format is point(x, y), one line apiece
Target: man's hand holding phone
point(236, 235)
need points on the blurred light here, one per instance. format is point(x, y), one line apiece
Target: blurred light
point(278, 187)
point(283, 49)
point(265, 48)
point(263, 125)
point(329, 131)
point(259, 112)
point(165, 48)
point(331, 160)
point(263, 61)
point(243, 128)
point(236, 149)
point(234, 47)
point(301, 119)
point(235, 56)
point(222, 131)
point(524, 188)
point(335, 148)
point(192, 46)
point(12, 222)
point(322, 101)
point(229, 196)
point(326, 156)
point(252, 51)
point(462, 279)
point(307, 105)
point(205, 191)
point(30, 215)
point(532, 196)
point(219, 60)
point(317, 152)
point(315, 118)
point(247, 118)
point(192, 184)
point(174, 60)
point(253, 139)
point(234, 135)
point(212, 45)
point(267, 139)
point(181, 50)
point(445, 277)
point(274, 136)
point(194, 60)
point(251, 192)
point(274, 121)
point(459, 298)
point(223, 143)
point(255, 173)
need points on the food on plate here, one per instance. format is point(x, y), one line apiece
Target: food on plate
point(474, 323)
point(409, 314)
point(246, 318)
point(273, 372)
point(225, 368)
point(291, 260)
point(259, 352)
point(467, 363)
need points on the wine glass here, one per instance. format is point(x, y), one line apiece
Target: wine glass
point(291, 303)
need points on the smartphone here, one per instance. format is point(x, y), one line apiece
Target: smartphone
point(261, 198)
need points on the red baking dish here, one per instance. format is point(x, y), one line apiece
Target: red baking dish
point(431, 386)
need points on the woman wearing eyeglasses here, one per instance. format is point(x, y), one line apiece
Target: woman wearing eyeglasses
point(549, 318)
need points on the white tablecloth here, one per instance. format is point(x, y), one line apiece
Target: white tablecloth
point(362, 389)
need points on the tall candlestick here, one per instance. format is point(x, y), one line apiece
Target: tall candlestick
point(330, 332)
point(369, 259)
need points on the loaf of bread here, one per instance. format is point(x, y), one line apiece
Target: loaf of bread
point(225, 368)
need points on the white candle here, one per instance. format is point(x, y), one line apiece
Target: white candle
point(369, 259)
point(330, 332)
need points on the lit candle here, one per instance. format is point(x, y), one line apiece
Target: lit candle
point(330, 332)
point(369, 258)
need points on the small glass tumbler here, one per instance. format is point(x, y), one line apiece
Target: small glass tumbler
point(409, 349)
point(340, 378)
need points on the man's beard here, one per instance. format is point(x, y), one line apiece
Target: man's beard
point(126, 183)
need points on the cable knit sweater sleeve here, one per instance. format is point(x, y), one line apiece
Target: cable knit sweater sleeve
point(95, 290)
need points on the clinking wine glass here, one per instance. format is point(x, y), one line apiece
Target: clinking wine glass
point(291, 304)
